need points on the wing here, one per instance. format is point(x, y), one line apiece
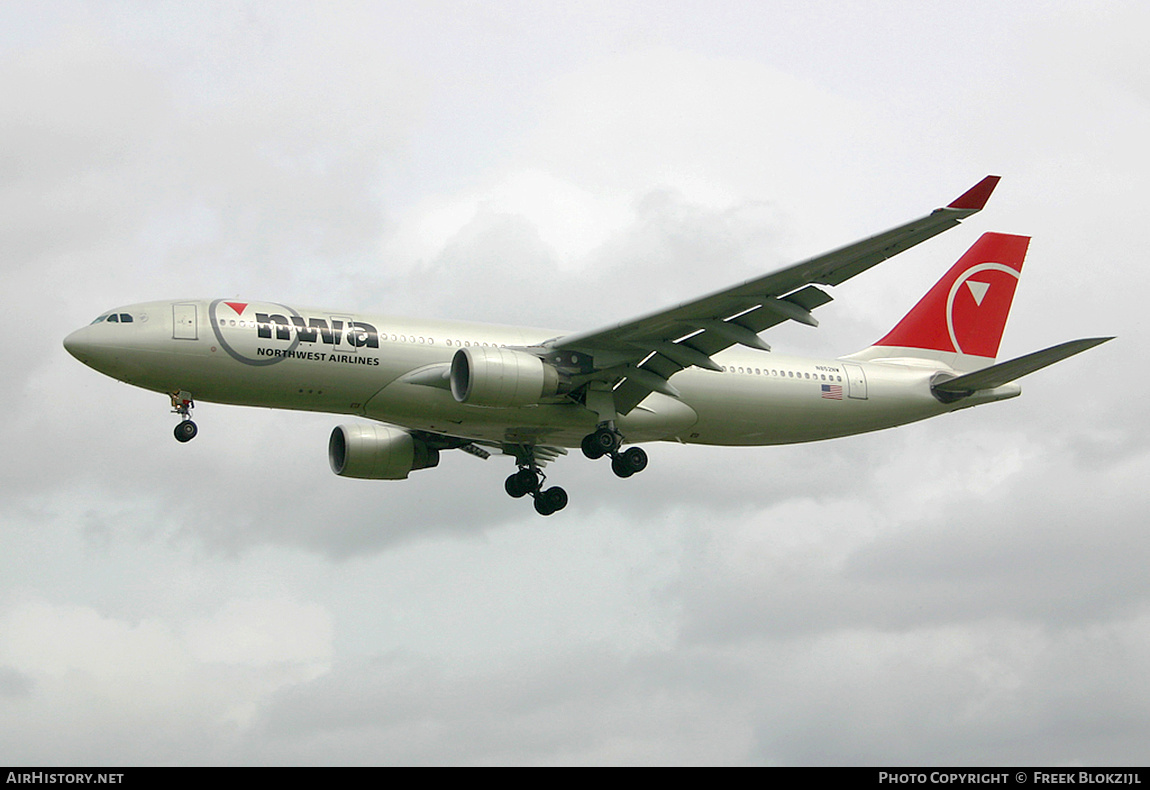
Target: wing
point(639, 356)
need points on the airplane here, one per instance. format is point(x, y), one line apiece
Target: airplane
point(694, 373)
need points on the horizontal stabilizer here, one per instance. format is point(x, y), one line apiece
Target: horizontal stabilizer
point(1005, 372)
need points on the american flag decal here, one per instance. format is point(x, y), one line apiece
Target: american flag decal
point(832, 391)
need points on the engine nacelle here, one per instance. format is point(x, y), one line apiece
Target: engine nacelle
point(377, 452)
point(493, 376)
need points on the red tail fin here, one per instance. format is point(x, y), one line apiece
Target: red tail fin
point(965, 312)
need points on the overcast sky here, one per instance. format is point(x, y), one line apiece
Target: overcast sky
point(970, 590)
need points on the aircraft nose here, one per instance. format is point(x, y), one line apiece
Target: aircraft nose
point(101, 347)
point(79, 344)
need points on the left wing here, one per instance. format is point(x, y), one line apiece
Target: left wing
point(639, 356)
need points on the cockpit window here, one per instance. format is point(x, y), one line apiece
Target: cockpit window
point(116, 318)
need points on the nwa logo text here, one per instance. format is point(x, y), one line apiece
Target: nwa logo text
point(232, 326)
point(357, 334)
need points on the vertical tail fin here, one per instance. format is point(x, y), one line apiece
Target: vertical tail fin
point(960, 320)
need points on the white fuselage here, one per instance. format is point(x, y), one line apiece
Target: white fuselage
point(273, 355)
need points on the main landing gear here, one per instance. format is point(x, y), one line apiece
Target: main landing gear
point(607, 441)
point(529, 480)
point(182, 404)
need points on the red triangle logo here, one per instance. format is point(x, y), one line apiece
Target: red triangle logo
point(239, 307)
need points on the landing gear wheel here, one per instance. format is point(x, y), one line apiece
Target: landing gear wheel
point(605, 440)
point(521, 483)
point(186, 430)
point(630, 462)
point(556, 498)
point(550, 501)
point(635, 459)
point(511, 486)
point(591, 447)
point(529, 479)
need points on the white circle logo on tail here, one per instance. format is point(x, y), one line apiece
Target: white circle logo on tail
point(978, 291)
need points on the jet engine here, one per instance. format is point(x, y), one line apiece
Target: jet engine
point(493, 376)
point(377, 452)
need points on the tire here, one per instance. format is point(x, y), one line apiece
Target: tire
point(591, 447)
point(606, 441)
point(556, 498)
point(620, 468)
point(635, 459)
point(528, 480)
point(186, 430)
point(513, 487)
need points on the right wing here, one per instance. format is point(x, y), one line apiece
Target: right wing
point(637, 357)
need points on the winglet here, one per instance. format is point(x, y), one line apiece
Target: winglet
point(975, 198)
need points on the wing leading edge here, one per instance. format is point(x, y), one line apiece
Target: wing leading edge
point(639, 356)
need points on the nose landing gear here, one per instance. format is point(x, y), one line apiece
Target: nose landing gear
point(182, 404)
